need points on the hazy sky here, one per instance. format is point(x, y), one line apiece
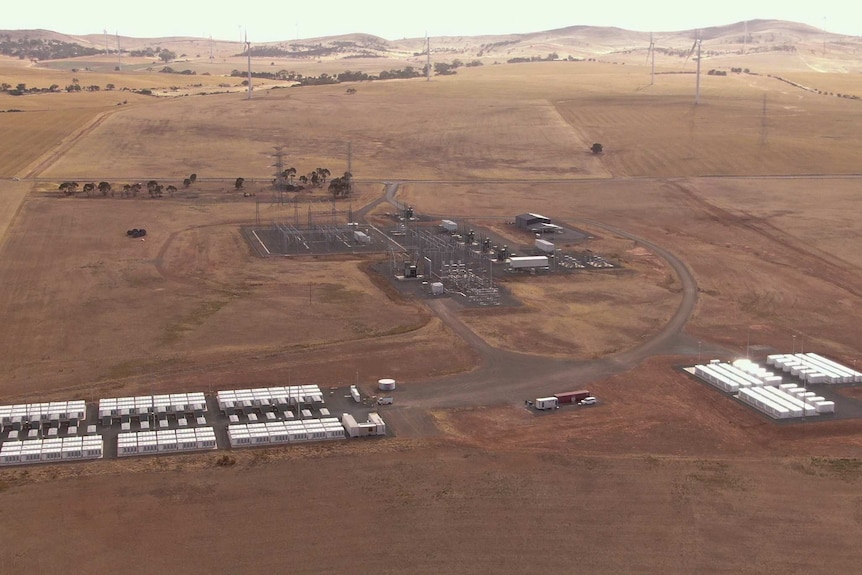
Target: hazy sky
point(393, 19)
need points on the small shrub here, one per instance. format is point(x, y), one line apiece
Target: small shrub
point(225, 461)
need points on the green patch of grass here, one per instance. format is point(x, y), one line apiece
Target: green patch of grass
point(123, 370)
point(336, 293)
point(192, 320)
point(845, 468)
point(715, 475)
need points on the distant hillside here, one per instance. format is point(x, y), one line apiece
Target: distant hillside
point(563, 43)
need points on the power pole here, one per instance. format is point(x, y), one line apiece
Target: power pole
point(349, 170)
point(280, 183)
point(763, 125)
point(697, 89)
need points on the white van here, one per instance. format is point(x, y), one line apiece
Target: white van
point(588, 400)
point(384, 401)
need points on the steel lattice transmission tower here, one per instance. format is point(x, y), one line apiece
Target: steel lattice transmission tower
point(280, 182)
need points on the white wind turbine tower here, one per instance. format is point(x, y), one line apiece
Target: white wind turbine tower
point(248, 53)
point(651, 58)
point(696, 46)
point(427, 58)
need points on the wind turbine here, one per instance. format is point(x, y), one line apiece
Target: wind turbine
point(427, 58)
point(696, 46)
point(119, 52)
point(248, 52)
point(651, 57)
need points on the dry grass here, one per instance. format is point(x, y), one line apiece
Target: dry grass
point(666, 135)
point(39, 132)
point(110, 307)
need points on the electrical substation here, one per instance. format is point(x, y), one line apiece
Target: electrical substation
point(313, 226)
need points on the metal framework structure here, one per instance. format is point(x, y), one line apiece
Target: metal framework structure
point(319, 226)
point(462, 267)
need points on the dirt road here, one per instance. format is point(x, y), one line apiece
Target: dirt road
point(506, 376)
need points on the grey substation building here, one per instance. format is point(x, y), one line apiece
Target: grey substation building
point(536, 223)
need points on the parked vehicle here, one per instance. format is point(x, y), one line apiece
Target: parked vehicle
point(588, 401)
point(384, 401)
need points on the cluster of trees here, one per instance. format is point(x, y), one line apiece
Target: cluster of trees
point(485, 48)
point(549, 58)
point(281, 75)
point(773, 48)
point(349, 76)
point(21, 89)
point(340, 187)
point(740, 70)
point(440, 68)
point(316, 177)
point(169, 70)
point(717, 73)
point(167, 55)
point(37, 49)
point(154, 188)
point(314, 50)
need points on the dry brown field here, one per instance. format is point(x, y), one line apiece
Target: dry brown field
point(663, 476)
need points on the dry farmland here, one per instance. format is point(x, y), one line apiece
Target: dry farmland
point(663, 476)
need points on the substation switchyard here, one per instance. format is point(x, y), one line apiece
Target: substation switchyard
point(456, 258)
point(449, 262)
point(315, 226)
point(447, 257)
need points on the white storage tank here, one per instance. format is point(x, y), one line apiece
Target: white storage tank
point(385, 384)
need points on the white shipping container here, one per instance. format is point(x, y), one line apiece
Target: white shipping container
point(546, 403)
point(825, 407)
point(545, 246)
point(529, 262)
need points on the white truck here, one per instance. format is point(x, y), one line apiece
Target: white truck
point(544, 403)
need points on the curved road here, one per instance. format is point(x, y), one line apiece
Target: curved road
point(511, 376)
